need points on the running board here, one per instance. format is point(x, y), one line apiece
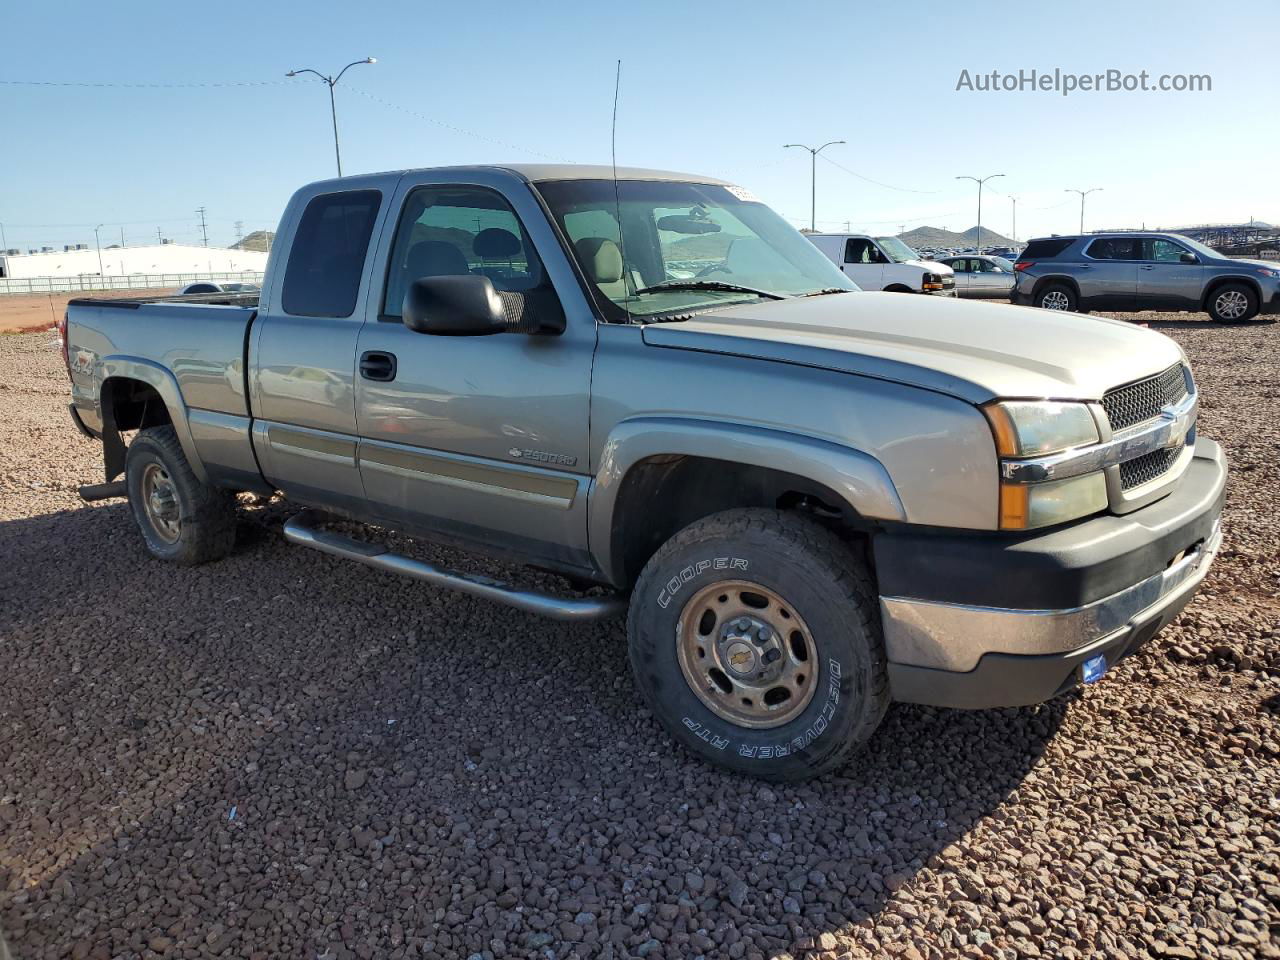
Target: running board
point(93, 492)
point(297, 529)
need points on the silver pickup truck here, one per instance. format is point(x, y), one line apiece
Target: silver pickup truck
point(808, 500)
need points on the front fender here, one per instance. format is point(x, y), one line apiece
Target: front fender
point(165, 384)
point(859, 479)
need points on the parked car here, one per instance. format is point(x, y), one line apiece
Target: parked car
point(884, 263)
point(807, 500)
point(208, 286)
point(981, 276)
point(1143, 271)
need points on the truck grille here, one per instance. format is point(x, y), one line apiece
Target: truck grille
point(1149, 466)
point(1141, 401)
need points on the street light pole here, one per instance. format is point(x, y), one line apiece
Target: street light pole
point(1014, 238)
point(97, 242)
point(333, 106)
point(980, 181)
point(813, 178)
point(1083, 194)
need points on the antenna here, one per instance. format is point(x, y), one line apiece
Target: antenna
point(617, 197)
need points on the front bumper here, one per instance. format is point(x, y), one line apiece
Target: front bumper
point(993, 620)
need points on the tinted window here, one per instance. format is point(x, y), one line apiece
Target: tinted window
point(327, 256)
point(860, 250)
point(1045, 249)
point(454, 231)
point(1115, 248)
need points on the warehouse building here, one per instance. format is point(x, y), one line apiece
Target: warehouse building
point(154, 259)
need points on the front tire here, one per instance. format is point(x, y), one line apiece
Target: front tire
point(1057, 296)
point(754, 637)
point(1233, 303)
point(181, 519)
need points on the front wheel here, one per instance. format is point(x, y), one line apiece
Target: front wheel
point(1233, 303)
point(754, 637)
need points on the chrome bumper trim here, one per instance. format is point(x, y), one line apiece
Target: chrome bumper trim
point(1170, 429)
point(948, 636)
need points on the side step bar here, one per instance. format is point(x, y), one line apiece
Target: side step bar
point(297, 529)
point(92, 492)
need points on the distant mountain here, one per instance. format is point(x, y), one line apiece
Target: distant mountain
point(259, 240)
point(935, 237)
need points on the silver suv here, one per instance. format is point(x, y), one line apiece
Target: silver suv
point(1143, 271)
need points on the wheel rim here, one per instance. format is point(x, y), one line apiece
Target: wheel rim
point(747, 654)
point(160, 502)
point(1231, 304)
point(1055, 300)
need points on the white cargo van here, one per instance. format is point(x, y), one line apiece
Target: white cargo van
point(885, 263)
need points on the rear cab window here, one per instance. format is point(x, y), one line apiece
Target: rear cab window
point(327, 257)
point(1045, 249)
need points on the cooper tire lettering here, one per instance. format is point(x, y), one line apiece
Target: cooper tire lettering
point(692, 572)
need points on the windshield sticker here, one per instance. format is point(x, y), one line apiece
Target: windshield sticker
point(743, 194)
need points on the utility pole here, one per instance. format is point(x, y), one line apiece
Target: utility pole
point(980, 182)
point(813, 178)
point(333, 107)
point(159, 238)
point(1014, 238)
point(1083, 194)
point(204, 230)
point(122, 243)
point(97, 242)
point(239, 232)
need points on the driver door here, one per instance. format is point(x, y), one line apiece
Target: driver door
point(481, 438)
point(863, 263)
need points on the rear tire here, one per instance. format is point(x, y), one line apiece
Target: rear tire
point(1057, 296)
point(1233, 303)
point(181, 519)
point(788, 609)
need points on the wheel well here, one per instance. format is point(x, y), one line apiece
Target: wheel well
point(127, 404)
point(664, 494)
point(898, 288)
point(1046, 281)
point(1218, 282)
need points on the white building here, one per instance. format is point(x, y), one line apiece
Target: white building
point(154, 260)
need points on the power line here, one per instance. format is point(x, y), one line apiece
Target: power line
point(152, 85)
point(887, 186)
point(454, 128)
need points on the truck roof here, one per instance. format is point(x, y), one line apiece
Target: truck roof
point(537, 172)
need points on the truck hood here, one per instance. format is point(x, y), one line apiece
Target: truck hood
point(974, 351)
point(931, 267)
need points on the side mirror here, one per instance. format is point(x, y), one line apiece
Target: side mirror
point(460, 306)
point(1189, 258)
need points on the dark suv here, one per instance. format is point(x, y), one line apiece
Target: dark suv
point(1143, 271)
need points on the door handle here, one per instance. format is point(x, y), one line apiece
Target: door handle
point(378, 365)
point(1149, 267)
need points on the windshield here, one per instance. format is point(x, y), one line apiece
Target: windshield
point(687, 246)
point(896, 250)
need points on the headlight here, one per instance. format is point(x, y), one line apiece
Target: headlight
point(1030, 428)
point(1268, 272)
point(1035, 428)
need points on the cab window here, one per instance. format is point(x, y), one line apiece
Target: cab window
point(1114, 248)
point(455, 231)
point(1164, 251)
point(328, 252)
point(861, 250)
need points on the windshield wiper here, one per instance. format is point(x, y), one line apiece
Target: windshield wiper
point(825, 290)
point(710, 285)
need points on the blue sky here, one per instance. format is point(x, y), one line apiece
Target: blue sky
point(710, 87)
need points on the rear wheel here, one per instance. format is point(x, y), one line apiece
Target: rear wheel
point(181, 519)
point(1057, 296)
point(1233, 303)
point(754, 636)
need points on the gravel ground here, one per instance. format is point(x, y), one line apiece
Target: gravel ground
point(282, 755)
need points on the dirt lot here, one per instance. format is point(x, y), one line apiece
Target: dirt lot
point(281, 755)
point(39, 311)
